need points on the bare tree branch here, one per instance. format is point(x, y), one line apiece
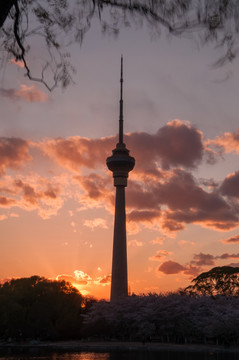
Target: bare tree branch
point(21, 56)
point(62, 22)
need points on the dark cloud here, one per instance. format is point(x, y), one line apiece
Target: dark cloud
point(230, 185)
point(6, 202)
point(95, 185)
point(196, 265)
point(171, 225)
point(223, 220)
point(29, 193)
point(143, 215)
point(32, 196)
point(171, 267)
point(175, 144)
point(142, 196)
point(227, 256)
point(51, 192)
point(234, 264)
point(186, 201)
point(189, 203)
point(14, 152)
point(175, 199)
point(232, 240)
point(181, 191)
point(192, 270)
point(203, 259)
point(8, 93)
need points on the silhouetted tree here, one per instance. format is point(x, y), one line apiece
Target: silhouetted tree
point(52, 20)
point(221, 280)
point(39, 308)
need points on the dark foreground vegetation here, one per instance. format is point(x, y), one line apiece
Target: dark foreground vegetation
point(205, 312)
point(38, 308)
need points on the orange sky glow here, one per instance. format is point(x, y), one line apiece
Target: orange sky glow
point(182, 199)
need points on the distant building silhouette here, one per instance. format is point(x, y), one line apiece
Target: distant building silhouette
point(120, 163)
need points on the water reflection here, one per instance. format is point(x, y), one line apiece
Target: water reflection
point(84, 356)
point(36, 355)
point(120, 355)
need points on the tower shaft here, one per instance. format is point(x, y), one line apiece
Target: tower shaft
point(119, 280)
point(120, 163)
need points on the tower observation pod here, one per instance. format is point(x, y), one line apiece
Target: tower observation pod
point(120, 163)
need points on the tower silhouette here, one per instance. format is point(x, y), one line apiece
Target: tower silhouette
point(120, 163)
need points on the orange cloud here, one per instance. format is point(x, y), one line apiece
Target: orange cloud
point(71, 279)
point(84, 282)
point(32, 192)
point(96, 223)
point(158, 240)
point(14, 152)
point(97, 187)
point(14, 215)
point(27, 93)
point(175, 144)
point(135, 242)
point(82, 276)
point(103, 280)
point(3, 217)
point(80, 280)
point(166, 199)
point(34, 195)
point(161, 254)
point(76, 152)
point(6, 202)
point(17, 62)
point(228, 141)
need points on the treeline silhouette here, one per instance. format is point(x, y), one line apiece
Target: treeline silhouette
point(38, 308)
point(41, 309)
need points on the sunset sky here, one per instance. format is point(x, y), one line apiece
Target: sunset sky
point(181, 125)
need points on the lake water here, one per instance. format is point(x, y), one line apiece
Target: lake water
point(119, 355)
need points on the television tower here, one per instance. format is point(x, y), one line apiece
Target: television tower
point(120, 163)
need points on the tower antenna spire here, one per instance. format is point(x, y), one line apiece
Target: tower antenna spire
point(121, 104)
